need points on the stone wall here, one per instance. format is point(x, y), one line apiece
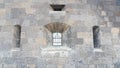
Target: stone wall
point(77, 51)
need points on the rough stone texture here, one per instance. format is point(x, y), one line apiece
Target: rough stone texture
point(77, 50)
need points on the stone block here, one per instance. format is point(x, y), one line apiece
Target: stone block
point(51, 66)
point(41, 63)
point(8, 1)
point(117, 2)
point(105, 41)
point(117, 13)
point(110, 65)
point(103, 13)
point(115, 30)
point(17, 13)
point(84, 35)
point(60, 66)
point(70, 66)
point(2, 5)
point(116, 24)
point(92, 66)
point(31, 66)
point(1, 65)
point(117, 65)
point(101, 66)
point(79, 41)
point(81, 66)
point(9, 66)
point(117, 19)
point(105, 29)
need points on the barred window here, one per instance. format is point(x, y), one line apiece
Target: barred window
point(57, 38)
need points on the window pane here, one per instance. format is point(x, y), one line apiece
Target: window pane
point(57, 38)
point(56, 35)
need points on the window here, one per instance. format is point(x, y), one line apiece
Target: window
point(96, 37)
point(17, 35)
point(57, 39)
point(57, 7)
point(57, 29)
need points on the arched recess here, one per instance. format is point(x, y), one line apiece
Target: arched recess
point(57, 29)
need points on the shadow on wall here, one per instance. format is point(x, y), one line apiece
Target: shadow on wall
point(57, 27)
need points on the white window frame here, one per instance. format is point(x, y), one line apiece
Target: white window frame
point(57, 39)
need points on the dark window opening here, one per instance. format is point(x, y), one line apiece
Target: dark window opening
point(57, 7)
point(17, 35)
point(96, 37)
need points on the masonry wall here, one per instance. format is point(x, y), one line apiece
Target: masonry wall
point(77, 51)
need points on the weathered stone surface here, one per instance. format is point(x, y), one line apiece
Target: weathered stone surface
point(17, 13)
point(9, 66)
point(116, 24)
point(77, 50)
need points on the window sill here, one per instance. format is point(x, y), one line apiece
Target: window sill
point(60, 13)
point(15, 49)
point(98, 50)
point(52, 51)
point(57, 48)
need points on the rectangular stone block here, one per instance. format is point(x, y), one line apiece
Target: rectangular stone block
point(116, 24)
point(31, 66)
point(2, 5)
point(51, 66)
point(115, 30)
point(17, 13)
point(60, 66)
point(92, 66)
point(9, 66)
point(84, 35)
point(101, 66)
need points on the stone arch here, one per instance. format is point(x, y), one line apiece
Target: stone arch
point(57, 28)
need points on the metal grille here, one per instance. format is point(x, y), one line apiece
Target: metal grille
point(57, 38)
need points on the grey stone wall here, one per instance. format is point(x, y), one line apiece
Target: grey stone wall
point(36, 50)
